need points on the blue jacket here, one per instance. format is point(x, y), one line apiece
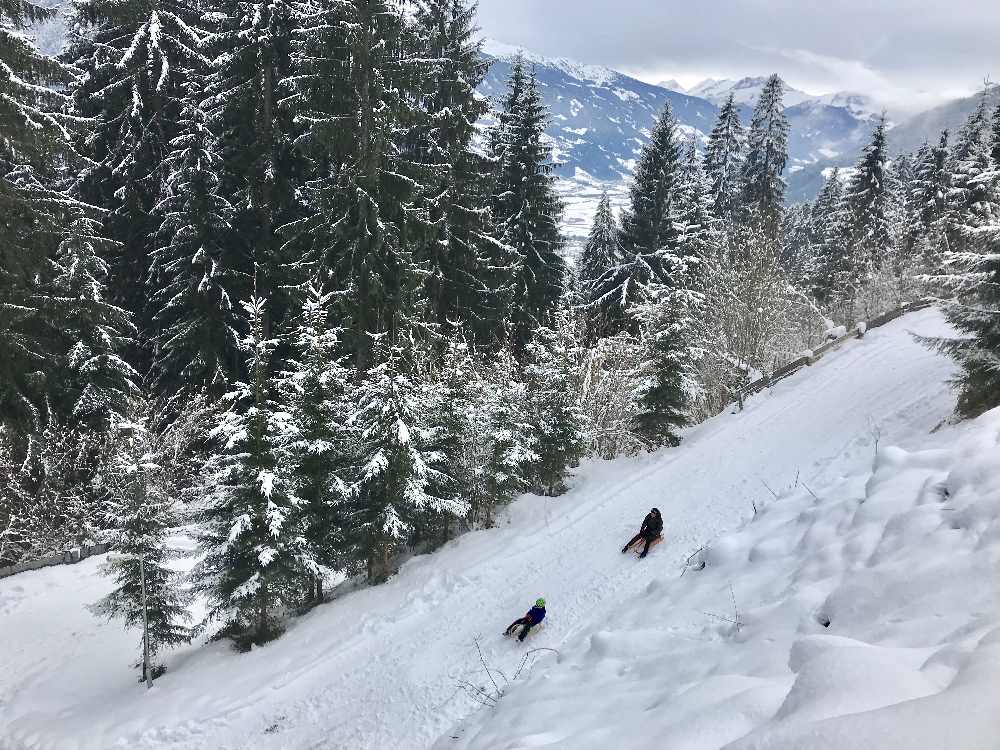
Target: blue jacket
point(536, 614)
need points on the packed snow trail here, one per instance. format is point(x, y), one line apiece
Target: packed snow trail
point(381, 667)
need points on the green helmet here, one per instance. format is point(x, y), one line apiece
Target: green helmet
point(540, 602)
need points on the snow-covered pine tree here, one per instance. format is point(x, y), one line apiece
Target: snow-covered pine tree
point(671, 322)
point(94, 387)
point(556, 416)
point(867, 231)
point(970, 267)
point(831, 264)
point(930, 189)
point(455, 230)
point(351, 91)
point(97, 383)
point(464, 393)
point(142, 510)
point(648, 229)
point(970, 200)
point(321, 447)
point(196, 347)
point(763, 187)
point(724, 157)
point(673, 316)
point(798, 249)
point(601, 253)
point(509, 468)
point(135, 56)
point(254, 556)
point(905, 262)
point(398, 478)
point(698, 238)
point(35, 145)
point(528, 214)
point(502, 261)
point(457, 430)
point(262, 171)
point(972, 275)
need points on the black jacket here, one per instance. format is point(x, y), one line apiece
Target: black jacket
point(652, 524)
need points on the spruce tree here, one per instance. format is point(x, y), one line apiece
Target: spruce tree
point(970, 266)
point(34, 147)
point(555, 411)
point(136, 57)
point(512, 454)
point(674, 316)
point(929, 191)
point(648, 229)
point(670, 319)
point(866, 230)
point(501, 261)
point(321, 446)
point(455, 231)
point(353, 72)
point(528, 213)
point(96, 383)
point(262, 170)
point(724, 158)
point(191, 281)
point(92, 386)
point(970, 200)
point(601, 254)
point(254, 556)
point(972, 275)
point(763, 188)
point(398, 478)
point(142, 512)
point(462, 414)
point(698, 240)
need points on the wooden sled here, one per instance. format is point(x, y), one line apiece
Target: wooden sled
point(637, 547)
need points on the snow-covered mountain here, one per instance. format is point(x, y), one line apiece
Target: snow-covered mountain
point(927, 126)
point(745, 91)
point(600, 118)
point(673, 85)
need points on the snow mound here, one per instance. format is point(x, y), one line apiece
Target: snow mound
point(859, 614)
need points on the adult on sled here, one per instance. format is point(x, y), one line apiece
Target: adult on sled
point(652, 528)
point(534, 617)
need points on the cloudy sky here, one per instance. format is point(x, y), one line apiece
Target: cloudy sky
point(908, 53)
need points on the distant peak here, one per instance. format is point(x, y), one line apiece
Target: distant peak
point(672, 85)
point(593, 73)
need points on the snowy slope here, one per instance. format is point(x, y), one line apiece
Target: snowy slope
point(865, 615)
point(380, 668)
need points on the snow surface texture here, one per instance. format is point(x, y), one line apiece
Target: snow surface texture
point(866, 616)
point(906, 594)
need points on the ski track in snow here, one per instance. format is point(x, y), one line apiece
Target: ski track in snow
point(380, 667)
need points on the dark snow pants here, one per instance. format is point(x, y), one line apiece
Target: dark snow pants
point(648, 536)
point(528, 625)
